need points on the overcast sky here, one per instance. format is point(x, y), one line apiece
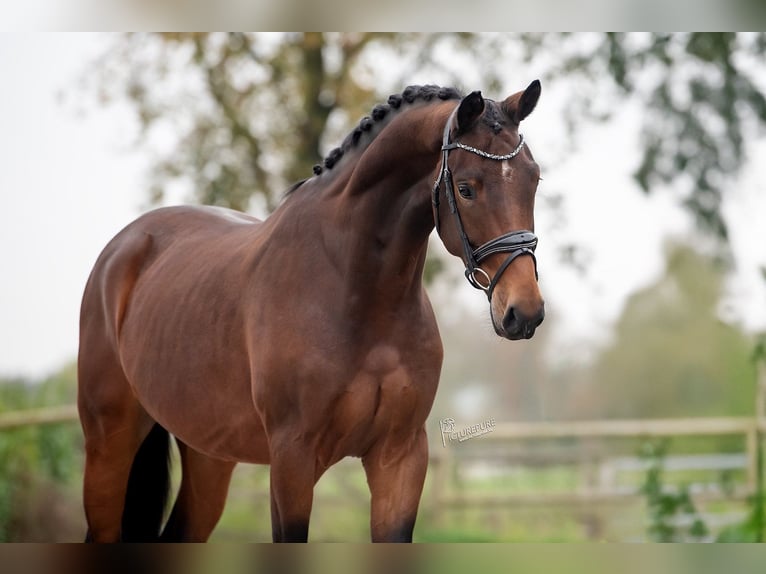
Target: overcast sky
point(69, 183)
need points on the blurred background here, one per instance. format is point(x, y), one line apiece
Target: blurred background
point(636, 411)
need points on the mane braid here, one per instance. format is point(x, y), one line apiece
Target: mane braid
point(410, 95)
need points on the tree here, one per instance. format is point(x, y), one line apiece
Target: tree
point(702, 102)
point(670, 355)
point(252, 112)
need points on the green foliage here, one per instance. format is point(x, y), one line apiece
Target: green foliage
point(433, 268)
point(456, 535)
point(750, 530)
point(759, 350)
point(666, 504)
point(37, 462)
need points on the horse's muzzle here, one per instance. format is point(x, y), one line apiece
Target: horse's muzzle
point(518, 325)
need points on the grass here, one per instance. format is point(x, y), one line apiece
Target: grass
point(341, 511)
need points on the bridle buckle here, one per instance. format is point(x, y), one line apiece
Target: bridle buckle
point(470, 274)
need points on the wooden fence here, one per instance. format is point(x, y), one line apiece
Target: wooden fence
point(579, 446)
point(506, 449)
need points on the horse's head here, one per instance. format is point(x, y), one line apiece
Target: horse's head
point(489, 179)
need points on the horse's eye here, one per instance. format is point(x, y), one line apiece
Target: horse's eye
point(466, 191)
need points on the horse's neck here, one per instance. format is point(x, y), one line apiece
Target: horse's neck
point(385, 239)
point(385, 206)
point(375, 210)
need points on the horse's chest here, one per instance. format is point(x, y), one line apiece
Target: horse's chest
point(385, 395)
point(398, 394)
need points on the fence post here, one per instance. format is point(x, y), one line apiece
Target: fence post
point(440, 469)
point(753, 444)
point(760, 389)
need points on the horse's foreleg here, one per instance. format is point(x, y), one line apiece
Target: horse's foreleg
point(201, 498)
point(396, 475)
point(292, 490)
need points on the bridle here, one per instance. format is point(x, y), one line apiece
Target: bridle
point(515, 243)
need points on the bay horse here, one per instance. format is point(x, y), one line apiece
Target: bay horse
point(307, 337)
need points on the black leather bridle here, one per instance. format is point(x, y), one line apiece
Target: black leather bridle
point(515, 243)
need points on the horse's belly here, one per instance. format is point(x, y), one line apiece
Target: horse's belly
point(238, 438)
point(222, 427)
point(199, 392)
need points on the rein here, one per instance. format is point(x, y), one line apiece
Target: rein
point(515, 243)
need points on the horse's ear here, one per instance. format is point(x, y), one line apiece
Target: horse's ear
point(520, 105)
point(471, 107)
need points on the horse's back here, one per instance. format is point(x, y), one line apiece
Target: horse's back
point(168, 225)
point(132, 250)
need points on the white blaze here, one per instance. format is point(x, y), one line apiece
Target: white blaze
point(507, 171)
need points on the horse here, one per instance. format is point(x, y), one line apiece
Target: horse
point(307, 337)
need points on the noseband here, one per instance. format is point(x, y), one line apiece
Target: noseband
point(515, 243)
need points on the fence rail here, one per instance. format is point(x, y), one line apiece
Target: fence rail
point(748, 427)
point(627, 428)
point(42, 416)
point(636, 428)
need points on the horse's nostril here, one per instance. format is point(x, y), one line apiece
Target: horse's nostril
point(509, 319)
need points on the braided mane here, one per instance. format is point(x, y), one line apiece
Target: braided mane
point(410, 95)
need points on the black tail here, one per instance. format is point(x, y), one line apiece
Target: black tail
point(148, 488)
